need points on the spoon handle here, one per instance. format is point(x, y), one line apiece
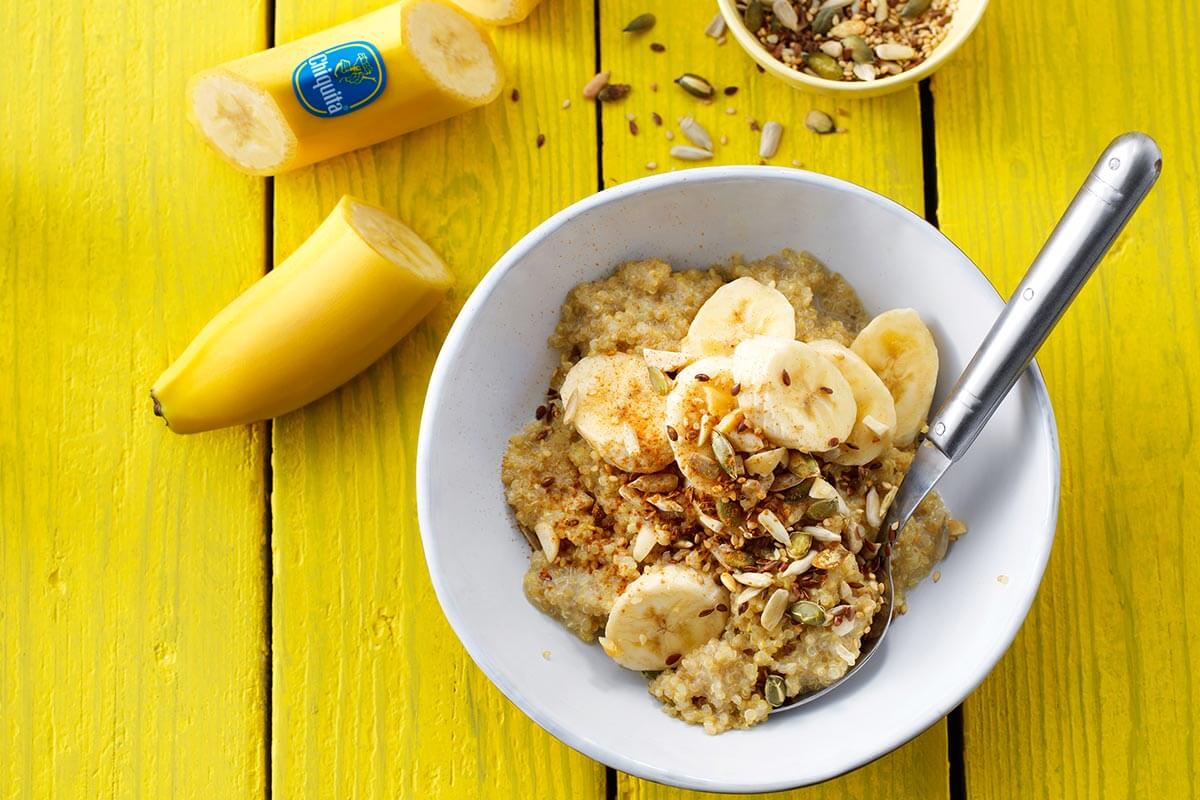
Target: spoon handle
point(1115, 187)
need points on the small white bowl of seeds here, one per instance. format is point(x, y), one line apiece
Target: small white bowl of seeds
point(863, 48)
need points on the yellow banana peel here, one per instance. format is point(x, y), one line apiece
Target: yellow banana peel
point(394, 70)
point(358, 284)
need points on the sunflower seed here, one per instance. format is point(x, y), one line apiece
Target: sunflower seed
point(592, 88)
point(757, 580)
point(832, 49)
point(850, 27)
point(716, 28)
point(881, 10)
point(655, 482)
point(890, 51)
point(821, 534)
point(800, 566)
point(871, 511)
point(768, 143)
point(644, 542)
point(642, 22)
point(695, 133)
point(746, 596)
point(772, 613)
point(696, 86)
point(685, 153)
point(548, 538)
point(728, 582)
point(786, 15)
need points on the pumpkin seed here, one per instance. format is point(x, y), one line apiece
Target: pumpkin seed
point(799, 491)
point(860, 51)
point(695, 133)
point(785, 481)
point(642, 22)
point(825, 66)
point(705, 466)
point(775, 690)
point(613, 92)
point(754, 16)
point(807, 612)
point(818, 121)
point(783, 11)
point(799, 546)
point(716, 28)
point(768, 145)
point(915, 8)
point(803, 465)
point(730, 512)
point(659, 380)
point(685, 153)
point(822, 509)
point(696, 86)
point(726, 457)
point(823, 21)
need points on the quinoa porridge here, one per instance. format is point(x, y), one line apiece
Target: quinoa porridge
point(704, 483)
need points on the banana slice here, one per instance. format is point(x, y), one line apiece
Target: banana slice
point(702, 396)
point(614, 406)
point(898, 346)
point(875, 421)
point(662, 616)
point(735, 312)
point(797, 397)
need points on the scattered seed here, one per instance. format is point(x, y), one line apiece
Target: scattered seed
point(651, 165)
point(654, 115)
point(671, 659)
point(832, 49)
point(516, 95)
point(724, 140)
point(1002, 579)
point(787, 379)
point(702, 377)
point(775, 690)
point(695, 86)
point(540, 412)
point(818, 122)
point(716, 28)
point(768, 144)
point(730, 91)
point(737, 387)
point(696, 134)
point(547, 482)
point(936, 576)
point(669, 135)
point(633, 128)
point(827, 390)
point(834, 441)
point(658, 47)
point(653, 86)
point(592, 88)
point(640, 23)
point(753, 16)
point(566, 104)
point(672, 434)
point(613, 91)
point(541, 139)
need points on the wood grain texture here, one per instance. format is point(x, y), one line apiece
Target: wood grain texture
point(881, 150)
point(1097, 698)
point(374, 695)
point(131, 560)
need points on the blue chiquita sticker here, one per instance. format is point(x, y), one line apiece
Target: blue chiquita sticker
point(339, 79)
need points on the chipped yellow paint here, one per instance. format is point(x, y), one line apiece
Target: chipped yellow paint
point(374, 696)
point(1097, 696)
point(131, 560)
point(881, 149)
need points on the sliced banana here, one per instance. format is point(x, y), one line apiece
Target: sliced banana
point(735, 312)
point(793, 394)
point(662, 616)
point(702, 396)
point(614, 406)
point(898, 346)
point(875, 421)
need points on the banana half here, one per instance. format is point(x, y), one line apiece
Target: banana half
point(499, 12)
point(796, 396)
point(901, 351)
point(613, 404)
point(664, 615)
point(875, 416)
point(735, 312)
point(394, 70)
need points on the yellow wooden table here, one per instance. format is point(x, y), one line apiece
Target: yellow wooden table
point(247, 613)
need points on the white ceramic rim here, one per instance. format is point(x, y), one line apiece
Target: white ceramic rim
point(880, 86)
point(450, 348)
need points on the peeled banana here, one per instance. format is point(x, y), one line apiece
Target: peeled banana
point(360, 282)
point(735, 312)
point(664, 615)
point(499, 12)
point(901, 351)
point(613, 404)
point(796, 396)
point(394, 70)
point(702, 396)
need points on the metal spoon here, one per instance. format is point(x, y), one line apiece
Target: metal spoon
point(1115, 187)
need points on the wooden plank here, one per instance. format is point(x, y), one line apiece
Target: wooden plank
point(374, 696)
point(1097, 697)
point(881, 150)
point(131, 560)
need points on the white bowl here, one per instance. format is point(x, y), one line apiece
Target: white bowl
point(493, 371)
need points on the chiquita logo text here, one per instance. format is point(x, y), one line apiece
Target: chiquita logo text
point(339, 79)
